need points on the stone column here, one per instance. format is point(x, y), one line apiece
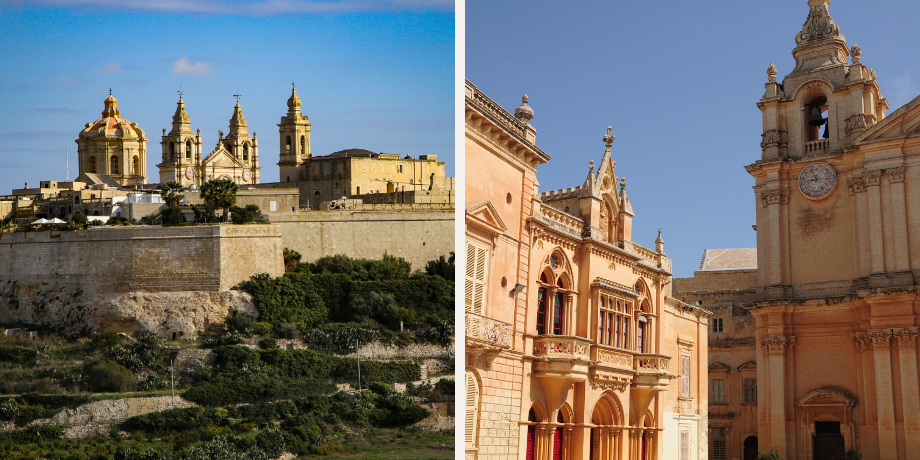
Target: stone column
point(910, 389)
point(876, 233)
point(774, 349)
point(772, 199)
point(880, 341)
point(899, 218)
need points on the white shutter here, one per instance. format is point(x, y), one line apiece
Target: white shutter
point(684, 445)
point(472, 403)
point(685, 376)
point(476, 266)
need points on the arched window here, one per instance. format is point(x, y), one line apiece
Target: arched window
point(92, 164)
point(188, 149)
point(113, 165)
point(245, 152)
point(816, 115)
point(303, 145)
point(172, 150)
point(531, 435)
point(287, 145)
point(137, 166)
point(553, 296)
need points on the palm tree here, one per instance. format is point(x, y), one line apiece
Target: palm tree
point(219, 193)
point(172, 192)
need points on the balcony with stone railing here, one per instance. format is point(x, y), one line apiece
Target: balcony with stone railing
point(562, 221)
point(653, 371)
point(648, 256)
point(561, 357)
point(487, 334)
point(612, 357)
point(818, 146)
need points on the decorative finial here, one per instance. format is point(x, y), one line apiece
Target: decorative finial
point(591, 166)
point(622, 184)
point(856, 52)
point(292, 85)
point(771, 73)
point(609, 138)
point(524, 112)
point(110, 90)
point(180, 93)
point(237, 96)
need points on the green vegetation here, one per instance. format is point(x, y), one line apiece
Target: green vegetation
point(172, 193)
point(15, 354)
point(246, 215)
point(219, 193)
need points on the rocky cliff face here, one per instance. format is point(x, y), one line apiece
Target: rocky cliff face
point(185, 314)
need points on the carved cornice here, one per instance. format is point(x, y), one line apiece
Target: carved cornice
point(880, 338)
point(886, 338)
point(906, 337)
point(896, 175)
point(873, 178)
point(778, 345)
point(607, 381)
point(772, 137)
point(856, 185)
point(774, 196)
point(858, 122)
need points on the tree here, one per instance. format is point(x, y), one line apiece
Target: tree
point(109, 376)
point(172, 192)
point(219, 193)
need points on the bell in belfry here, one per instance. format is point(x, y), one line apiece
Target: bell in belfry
point(816, 118)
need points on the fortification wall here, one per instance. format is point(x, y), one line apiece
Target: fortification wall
point(415, 235)
point(717, 286)
point(143, 259)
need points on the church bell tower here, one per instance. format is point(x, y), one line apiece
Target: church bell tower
point(294, 136)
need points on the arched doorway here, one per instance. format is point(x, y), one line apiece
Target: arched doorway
point(316, 199)
point(531, 435)
point(827, 443)
point(750, 448)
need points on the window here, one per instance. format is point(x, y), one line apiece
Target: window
point(472, 409)
point(287, 144)
point(684, 445)
point(640, 334)
point(685, 376)
point(557, 314)
point(476, 260)
point(717, 325)
point(328, 168)
point(92, 165)
point(113, 165)
point(246, 152)
point(188, 149)
point(718, 391)
point(718, 444)
point(303, 145)
point(613, 323)
point(399, 168)
point(552, 321)
point(750, 390)
point(541, 311)
point(272, 206)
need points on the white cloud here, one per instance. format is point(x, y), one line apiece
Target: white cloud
point(111, 67)
point(257, 8)
point(185, 67)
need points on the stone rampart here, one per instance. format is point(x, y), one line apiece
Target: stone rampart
point(415, 235)
point(143, 259)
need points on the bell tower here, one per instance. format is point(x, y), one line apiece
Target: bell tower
point(294, 136)
point(181, 150)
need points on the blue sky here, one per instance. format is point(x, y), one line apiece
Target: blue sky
point(377, 75)
point(678, 81)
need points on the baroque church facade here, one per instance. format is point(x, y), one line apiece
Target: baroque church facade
point(114, 147)
point(575, 348)
point(831, 303)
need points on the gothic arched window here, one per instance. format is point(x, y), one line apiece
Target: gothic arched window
point(552, 297)
point(188, 149)
point(113, 165)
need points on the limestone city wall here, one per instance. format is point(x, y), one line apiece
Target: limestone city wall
point(415, 235)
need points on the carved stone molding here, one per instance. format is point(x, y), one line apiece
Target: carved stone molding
point(873, 178)
point(774, 196)
point(608, 381)
point(860, 121)
point(772, 137)
point(856, 185)
point(818, 26)
point(879, 338)
point(778, 345)
point(907, 337)
point(896, 175)
point(860, 341)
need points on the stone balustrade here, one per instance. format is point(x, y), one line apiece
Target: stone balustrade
point(488, 331)
point(612, 358)
point(819, 145)
point(651, 363)
point(570, 222)
point(647, 255)
point(562, 346)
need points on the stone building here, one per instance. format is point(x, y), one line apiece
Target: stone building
point(350, 172)
point(113, 146)
point(235, 157)
point(834, 302)
point(575, 348)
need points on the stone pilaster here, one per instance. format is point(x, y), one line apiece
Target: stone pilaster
point(775, 348)
point(773, 199)
point(899, 218)
point(880, 342)
point(906, 340)
point(876, 232)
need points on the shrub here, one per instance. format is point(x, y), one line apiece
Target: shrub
point(172, 216)
point(109, 376)
point(291, 298)
point(441, 267)
point(771, 454)
point(105, 341)
point(245, 215)
point(17, 354)
point(241, 323)
point(267, 344)
point(227, 338)
point(338, 338)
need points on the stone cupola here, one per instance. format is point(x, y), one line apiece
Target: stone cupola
point(113, 146)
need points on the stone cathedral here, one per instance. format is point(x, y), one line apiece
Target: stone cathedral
point(813, 348)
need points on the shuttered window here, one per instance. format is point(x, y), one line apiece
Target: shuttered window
point(685, 376)
point(684, 445)
point(718, 391)
point(472, 406)
point(476, 265)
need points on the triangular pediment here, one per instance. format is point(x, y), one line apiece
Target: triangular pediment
point(221, 158)
point(748, 366)
point(902, 122)
point(484, 215)
point(719, 367)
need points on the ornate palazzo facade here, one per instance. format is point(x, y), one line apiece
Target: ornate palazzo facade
point(574, 347)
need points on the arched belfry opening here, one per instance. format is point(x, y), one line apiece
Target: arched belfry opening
point(816, 115)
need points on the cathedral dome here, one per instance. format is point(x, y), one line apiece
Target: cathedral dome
point(111, 124)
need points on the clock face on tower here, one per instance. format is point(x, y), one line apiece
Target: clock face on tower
point(189, 173)
point(817, 180)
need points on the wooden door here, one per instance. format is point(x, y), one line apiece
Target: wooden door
point(557, 444)
point(750, 448)
point(531, 433)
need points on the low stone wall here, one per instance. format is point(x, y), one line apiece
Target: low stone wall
point(436, 423)
point(112, 410)
point(378, 350)
point(184, 314)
